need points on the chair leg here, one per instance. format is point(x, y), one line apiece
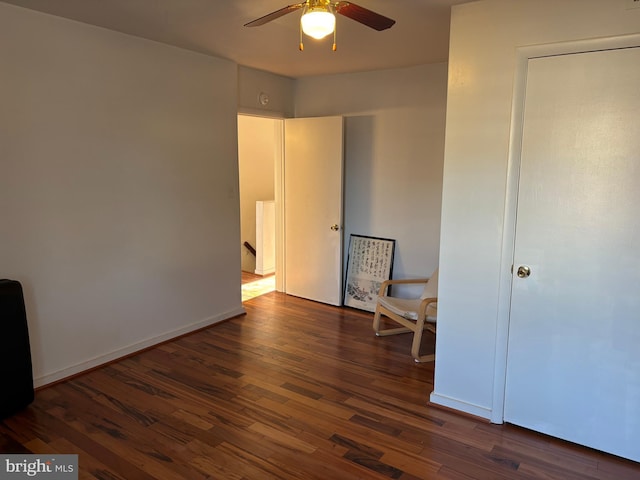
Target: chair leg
point(387, 331)
point(376, 321)
point(425, 358)
point(417, 336)
point(415, 345)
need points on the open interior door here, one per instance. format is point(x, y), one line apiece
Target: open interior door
point(313, 180)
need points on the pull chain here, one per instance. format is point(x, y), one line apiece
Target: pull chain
point(335, 33)
point(301, 46)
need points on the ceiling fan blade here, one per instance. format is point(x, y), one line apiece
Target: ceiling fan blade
point(273, 15)
point(364, 15)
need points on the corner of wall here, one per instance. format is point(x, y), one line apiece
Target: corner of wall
point(265, 94)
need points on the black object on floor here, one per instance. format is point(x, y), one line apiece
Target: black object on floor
point(16, 374)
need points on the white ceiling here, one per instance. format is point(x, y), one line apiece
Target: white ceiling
point(420, 35)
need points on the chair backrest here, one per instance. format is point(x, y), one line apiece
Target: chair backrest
point(431, 288)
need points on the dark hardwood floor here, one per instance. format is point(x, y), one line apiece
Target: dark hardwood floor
point(248, 277)
point(293, 390)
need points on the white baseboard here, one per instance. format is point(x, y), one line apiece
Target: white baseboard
point(133, 348)
point(266, 271)
point(455, 404)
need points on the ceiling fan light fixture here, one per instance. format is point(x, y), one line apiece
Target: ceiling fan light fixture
point(319, 18)
point(318, 22)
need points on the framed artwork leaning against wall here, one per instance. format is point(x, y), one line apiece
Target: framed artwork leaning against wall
point(370, 262)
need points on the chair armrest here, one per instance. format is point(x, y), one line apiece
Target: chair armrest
point(422, 310)
point(386, 283)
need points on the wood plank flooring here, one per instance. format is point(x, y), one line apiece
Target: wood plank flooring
point(293, 390)
point(248, 277)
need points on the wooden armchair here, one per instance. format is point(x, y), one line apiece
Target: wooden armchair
point(415, 315)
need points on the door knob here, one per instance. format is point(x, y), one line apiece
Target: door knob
point(523, 271)
point(335, 227)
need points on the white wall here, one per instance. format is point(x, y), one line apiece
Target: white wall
point(118, 187)
point(394, 141)
point(256, 157)
point(279, 90)
point(484, 38)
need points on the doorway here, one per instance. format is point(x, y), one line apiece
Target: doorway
point(313, 185)
point(259, 154)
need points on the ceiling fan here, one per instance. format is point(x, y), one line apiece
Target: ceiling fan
point(318, 17)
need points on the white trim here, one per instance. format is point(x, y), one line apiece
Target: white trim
point(263, 272)
point(133, 348)
point(523, 55)
point(460, 405)
point(578, 46)
point(257, 112)
point(279, 198)
point(508, 238)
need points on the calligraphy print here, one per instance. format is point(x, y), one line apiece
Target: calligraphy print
point(369, 264)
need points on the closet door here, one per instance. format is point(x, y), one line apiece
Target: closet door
point(573, 367)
